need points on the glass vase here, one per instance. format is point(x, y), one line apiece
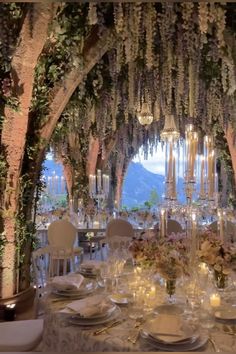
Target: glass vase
point(221, 280)
point(170, 287)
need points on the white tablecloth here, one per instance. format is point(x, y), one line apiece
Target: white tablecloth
point(62, 337)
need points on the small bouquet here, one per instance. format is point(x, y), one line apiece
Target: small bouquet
point(144, 251)
point(172, 260)
point(217, 255)
point(220, 257)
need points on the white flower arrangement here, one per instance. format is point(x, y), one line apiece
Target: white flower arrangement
point(89, 235)
point(217, 255)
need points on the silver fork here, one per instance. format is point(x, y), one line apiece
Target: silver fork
point(229, 330)
point(134, 337)
point(215, 347)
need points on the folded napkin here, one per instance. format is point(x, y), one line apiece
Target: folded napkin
point(91, 265)
point(166, 323)
point(91, 306)
point(167, 328)
point(67, 282)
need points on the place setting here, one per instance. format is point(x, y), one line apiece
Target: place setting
point(91, 268)
point(72, 286)
point(172, 333)
point(92, 311)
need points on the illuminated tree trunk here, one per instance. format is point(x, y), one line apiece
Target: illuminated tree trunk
point(32, 39)
point(94, 48)
point(92, 155)
point(231, 140)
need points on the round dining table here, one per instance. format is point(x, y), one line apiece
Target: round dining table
point(62, 336)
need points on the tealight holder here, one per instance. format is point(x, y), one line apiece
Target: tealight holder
point(9, 312)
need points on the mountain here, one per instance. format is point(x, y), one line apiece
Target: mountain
point(140, 184)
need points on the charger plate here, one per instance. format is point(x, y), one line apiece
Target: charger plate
point(79, 321)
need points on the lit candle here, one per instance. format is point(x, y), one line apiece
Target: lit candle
point(9, 312)
point(170, 164)
point(96, 224)
point(174, 194)
point(163, 223)
point(215, 300)
point(99, 180)
point(202, 189)
point(194, 241)
point(152, 292)
point(221, 225)
point(203, 269)
point(216, 182)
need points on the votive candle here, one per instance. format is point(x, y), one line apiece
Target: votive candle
point(215, 300)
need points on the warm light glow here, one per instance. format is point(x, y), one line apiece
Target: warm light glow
point(215, 300)
point(145, 117)
point(11, 306)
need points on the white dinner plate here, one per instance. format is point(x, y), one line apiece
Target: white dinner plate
point(226, 313)
point(200, 342)
point(120, 299)
point(170, 309)
point(108, 312)
point(179, 330)
point(88, 287)
point(79, 321)
point(89, 273)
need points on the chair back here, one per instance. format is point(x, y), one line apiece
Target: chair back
point(62, 234)
point(230, 230)
point(173, 226)
point(119, 227)
point(40, 267)
point(119, 233)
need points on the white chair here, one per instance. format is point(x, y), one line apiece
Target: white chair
point(40, 270)
point(62, 236)
point(40, 264)
point(20, 336)
point(119, 233)
point(174, 226)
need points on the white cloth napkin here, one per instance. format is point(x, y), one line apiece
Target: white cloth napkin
point(67, 282)
point(167, 324)
point(91, 306)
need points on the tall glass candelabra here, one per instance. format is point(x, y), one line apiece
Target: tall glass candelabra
point(170, 135)
point(99, 186)
point(191, 145)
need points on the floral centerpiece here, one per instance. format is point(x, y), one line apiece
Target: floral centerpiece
point(220, 257)
point(168, 257)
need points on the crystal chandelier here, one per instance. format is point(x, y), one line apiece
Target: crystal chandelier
point(145, 116)
point(170, 131)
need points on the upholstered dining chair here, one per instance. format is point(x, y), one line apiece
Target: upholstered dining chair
point(119, 233)
point(20, 336)
point(62, 236)
point(173, 226)
point(230, 230)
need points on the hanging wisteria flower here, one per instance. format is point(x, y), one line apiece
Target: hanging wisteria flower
point(92, 14)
